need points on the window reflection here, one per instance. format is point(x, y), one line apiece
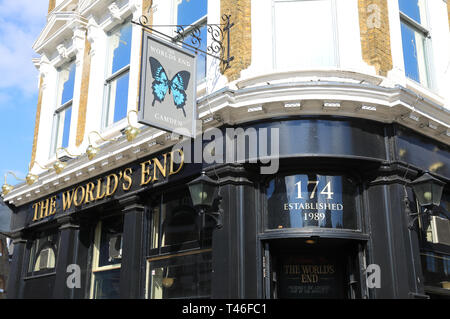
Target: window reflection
point(436, 269)
point(43, 254)
point(107, 284)
point(192, 12)
point(179, 256)
point(107, 258)
point(187, 276)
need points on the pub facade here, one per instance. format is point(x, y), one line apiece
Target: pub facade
point(317, 170)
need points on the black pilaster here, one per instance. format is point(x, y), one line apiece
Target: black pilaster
point(132, 273)
point(67, 255)
point(15, 281)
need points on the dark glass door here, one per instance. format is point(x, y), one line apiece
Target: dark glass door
point(296, 270)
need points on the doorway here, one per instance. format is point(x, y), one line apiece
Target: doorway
point(312, 269)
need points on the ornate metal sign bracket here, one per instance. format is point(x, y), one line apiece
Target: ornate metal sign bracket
point(189, 36)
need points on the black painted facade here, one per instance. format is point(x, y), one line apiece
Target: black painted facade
point(244, 254)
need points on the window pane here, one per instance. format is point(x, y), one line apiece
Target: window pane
point(179, 220)
point(118, 98)
point(297, 18)
point(410, 8)
point(201, 58)
point(121, 43)
point(69, 78)
point(107, 284)
point(67, 115)
point(111, 242)
point(436, 269)
point(181, 277)
point(410, 52)
point(190, 11)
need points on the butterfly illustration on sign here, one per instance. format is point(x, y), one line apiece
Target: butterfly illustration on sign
point(161, 84)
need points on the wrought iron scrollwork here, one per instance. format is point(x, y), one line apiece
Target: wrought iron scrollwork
point(189, 36)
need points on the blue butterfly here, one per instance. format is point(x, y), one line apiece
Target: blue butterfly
point(162, 84)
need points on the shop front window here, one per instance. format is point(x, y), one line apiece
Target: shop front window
point(312, 200)
point(183, 276)
point(434, 232)
point(107, 259)
point(179, 258)
point(43, 254)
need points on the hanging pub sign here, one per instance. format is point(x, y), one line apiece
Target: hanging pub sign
point(311, 200)
point(167, 97)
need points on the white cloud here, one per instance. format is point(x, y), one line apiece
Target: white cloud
point(21, 21)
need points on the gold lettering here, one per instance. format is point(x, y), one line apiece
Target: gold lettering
point(108, 184)
point(181, 161)
point(75, 198)
point(67, 199)
point(52, 207)
point(89, 196)
point(36, 207)
point(157, 164)
point(44, 208)
point(99, 190)
point(127, 178)
point(145, 172)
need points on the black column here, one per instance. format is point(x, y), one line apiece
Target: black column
point(15, 281)
point(132, 273)
point(66, 255)
point(235, 246)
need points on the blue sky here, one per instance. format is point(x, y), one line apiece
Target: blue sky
point(21, 21)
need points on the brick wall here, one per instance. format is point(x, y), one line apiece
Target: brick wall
point(82, 109)
point(240, 35)
point(375, 36)
point(51, 5)
point(36, 125)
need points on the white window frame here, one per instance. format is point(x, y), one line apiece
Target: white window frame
point(58, 120)
point(424, 66)
point(96, 257)
point(109, 91)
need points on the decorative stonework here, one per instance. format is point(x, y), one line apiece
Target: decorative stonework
point(240, 35)
point(375, 35)
point(36, 125)
point(82, 109)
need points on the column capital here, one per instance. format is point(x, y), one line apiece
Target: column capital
point(131, 203)
point(68, 222)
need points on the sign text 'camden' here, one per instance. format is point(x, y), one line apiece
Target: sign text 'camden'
point(150, 172)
